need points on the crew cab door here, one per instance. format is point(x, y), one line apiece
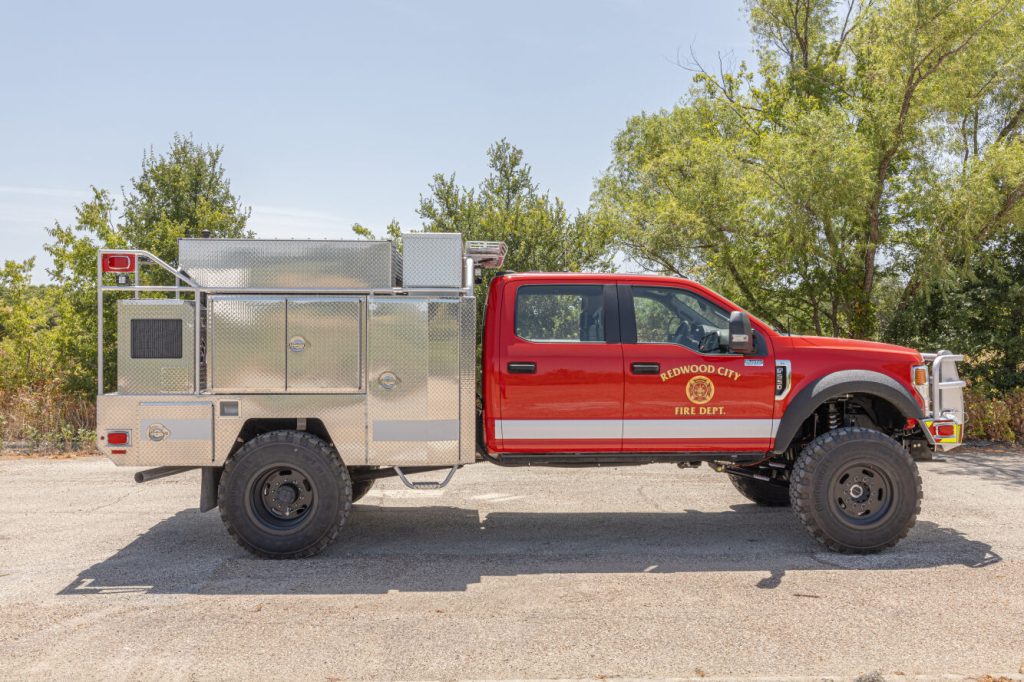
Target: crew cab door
point(560, 368)
point(682, 392)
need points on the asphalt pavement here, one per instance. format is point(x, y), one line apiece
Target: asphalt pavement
point(633, 572)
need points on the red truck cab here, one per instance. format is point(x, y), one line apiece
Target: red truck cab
point(591, 369)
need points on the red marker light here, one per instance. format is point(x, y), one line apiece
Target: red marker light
point(117, 438)
point(118, 262)
point(946, 430)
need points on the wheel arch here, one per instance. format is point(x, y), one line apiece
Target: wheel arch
point(831, 386)
point(256, 426)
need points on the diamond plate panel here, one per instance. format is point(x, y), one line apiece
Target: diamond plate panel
point(155, 375)
point(247, 344)
point(290, 264)
point(467, 380)
point(415, 342)
point(443, 359)
point(183, 419)
point(432, 259)
point(344, 417)
point(327, 355)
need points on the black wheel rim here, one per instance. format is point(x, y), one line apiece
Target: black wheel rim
point(282, 497)
point(861, 495)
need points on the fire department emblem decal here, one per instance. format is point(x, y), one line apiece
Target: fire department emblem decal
point(700, 390)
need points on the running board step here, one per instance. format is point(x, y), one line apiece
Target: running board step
point(426, 485)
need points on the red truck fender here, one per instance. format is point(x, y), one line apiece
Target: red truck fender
point(830, 386)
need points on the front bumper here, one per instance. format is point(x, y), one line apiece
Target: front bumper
point(944, 398)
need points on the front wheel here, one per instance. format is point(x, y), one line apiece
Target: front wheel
point(856, 490)
point(285, 495)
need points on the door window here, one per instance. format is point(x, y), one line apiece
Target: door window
point(561, 313)
point(679, 316)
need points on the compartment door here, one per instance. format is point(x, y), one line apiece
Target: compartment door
point(247, 341)
point(325, 345)
point(175, 433)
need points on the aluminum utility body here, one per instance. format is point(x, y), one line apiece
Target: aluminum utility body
point(296, 373)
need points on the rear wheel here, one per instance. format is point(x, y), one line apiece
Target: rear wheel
point(763, 493)
point(285, 495)
point(856, 490)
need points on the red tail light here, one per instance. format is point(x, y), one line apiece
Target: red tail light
point(118, 262)
point(118, 437)
point(946, 430)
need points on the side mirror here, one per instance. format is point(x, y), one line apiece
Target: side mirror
point(741, 336)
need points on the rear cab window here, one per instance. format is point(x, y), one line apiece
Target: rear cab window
point(560, 313)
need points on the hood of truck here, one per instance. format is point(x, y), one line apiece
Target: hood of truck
point(852, 345)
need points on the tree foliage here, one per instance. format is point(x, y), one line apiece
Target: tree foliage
point(541, 234)
point(869, 159)
point(508, 206)
point(25, 340)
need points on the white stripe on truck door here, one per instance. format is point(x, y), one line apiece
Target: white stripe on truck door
point(603, 429)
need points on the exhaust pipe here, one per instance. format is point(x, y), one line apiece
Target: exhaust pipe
point(160, 472)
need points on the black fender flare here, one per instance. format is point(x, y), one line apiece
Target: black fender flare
point(834, 385)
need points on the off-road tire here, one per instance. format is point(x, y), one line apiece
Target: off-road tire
point(761, 493)
point(286, 455)
point(821, 482)
point(360, 488)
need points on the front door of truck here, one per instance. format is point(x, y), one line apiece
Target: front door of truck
point(682, 392)
point(560, 368)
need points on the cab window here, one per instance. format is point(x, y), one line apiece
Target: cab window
point(571, 313)
point(679, 316)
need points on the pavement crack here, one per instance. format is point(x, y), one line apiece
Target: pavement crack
point(650, 500)
point(116, 500)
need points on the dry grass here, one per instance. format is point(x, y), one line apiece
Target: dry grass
point(43, 418)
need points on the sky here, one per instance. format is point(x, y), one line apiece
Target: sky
point(331, 113)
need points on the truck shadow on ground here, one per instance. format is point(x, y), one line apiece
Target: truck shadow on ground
point(445, 548)
point(995, 463)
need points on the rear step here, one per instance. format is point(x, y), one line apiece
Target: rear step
point(426, 485)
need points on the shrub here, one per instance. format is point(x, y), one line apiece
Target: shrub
point(994, 415)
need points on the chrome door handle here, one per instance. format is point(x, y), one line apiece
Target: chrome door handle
point(522, 368)
point(646, 368)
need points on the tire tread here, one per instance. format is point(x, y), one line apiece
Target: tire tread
point(300, 439)
point(801, 491)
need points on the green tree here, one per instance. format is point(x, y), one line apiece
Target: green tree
point(874, 151)
point(24, 323)
point(980, 316)
point(508, 206)
point(180, 194)
point(73, 249)
point(393, 231)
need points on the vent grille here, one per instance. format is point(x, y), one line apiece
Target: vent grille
point(156, 339)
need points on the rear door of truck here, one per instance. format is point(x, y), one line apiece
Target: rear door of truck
point(560, 366)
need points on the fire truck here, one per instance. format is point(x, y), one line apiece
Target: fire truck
point(297, 373)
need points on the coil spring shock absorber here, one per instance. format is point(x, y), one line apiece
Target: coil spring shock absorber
point(834, 419)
